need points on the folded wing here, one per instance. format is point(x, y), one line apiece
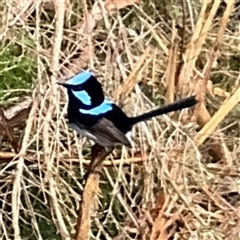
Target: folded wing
point(105, 130)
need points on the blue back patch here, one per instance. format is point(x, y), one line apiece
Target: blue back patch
point(83, 96)
point(102, 108)
point(79, 78)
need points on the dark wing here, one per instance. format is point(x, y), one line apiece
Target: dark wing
point(105, 129)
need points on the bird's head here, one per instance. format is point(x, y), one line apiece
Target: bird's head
point(85, 89)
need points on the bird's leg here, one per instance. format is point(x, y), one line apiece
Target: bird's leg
point(99, 153)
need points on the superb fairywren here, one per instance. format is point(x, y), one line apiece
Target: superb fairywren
point(99, 119)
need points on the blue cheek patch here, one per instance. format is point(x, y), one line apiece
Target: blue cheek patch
point(103, 108)
point(83, 97)
point(79, 78)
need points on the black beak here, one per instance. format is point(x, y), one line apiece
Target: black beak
point(62, 84)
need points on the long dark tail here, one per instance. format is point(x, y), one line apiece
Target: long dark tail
point(183, 103)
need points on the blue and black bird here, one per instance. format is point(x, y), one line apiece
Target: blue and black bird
point(100, 120)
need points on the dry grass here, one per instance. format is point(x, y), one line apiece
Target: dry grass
point(178, 182)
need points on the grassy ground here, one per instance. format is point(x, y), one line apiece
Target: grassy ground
point(181, 179)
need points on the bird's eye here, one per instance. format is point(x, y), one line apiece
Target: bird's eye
point(76, 88)
point(79, 88)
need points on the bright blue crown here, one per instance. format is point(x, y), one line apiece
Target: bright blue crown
point(80, 78)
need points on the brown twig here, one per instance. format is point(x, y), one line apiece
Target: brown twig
point(9, 156)
point(133, 79)
point(96, 160)
point(60, 8)
point(18, 113)
point(219, 149)
point(8, 131)
point(171, 71)
point(182, 44)
point(91, 187)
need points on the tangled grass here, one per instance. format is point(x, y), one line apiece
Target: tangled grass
point(181, 179)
